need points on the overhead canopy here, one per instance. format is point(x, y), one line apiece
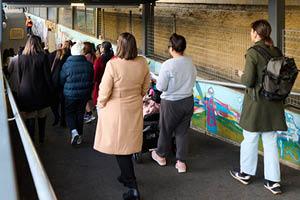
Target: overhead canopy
point(86, 2)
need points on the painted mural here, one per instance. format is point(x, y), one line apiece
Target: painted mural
point(217, 109)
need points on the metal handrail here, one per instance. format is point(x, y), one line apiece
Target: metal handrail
point(233, 85)
point(8, 182)
point(40, 178)
point(222, 83)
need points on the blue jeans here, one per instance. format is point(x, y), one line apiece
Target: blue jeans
point(249, 154)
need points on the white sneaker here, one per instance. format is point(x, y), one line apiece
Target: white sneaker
point(88, 118)
point(75, 137)
point(180, 166)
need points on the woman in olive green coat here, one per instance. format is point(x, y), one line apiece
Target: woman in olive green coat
point(259, 116)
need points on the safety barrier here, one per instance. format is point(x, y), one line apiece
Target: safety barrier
point(8, 185)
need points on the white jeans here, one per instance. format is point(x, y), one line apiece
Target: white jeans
point(249, 154)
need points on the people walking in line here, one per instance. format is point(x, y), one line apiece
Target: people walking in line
point(76, 77)
point(259, 117)
point(104, 54)
point(120, 109)
point(29, 25)
point(34, 99)
point(176, 81)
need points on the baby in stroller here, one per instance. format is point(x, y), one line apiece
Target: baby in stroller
point(151, 105)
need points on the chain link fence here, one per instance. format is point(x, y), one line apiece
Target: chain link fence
point(217, 51)
point(291, 41)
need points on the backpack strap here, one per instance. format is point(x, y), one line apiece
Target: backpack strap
point(279, 51)
point(262, 51)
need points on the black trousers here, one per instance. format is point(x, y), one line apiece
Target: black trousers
point(59, 101)
point(127, 170)
point(75, 109)
point(175, 118)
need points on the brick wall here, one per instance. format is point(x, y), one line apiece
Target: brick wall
point(117, 21)
point(217, 35)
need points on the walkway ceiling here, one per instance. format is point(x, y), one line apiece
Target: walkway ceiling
point(86, 2)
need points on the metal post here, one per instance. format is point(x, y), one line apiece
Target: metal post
point(174, 23)
point(102, 25)
point(85, 16)
point(151, 30)
point(130, 22)
point(96, 22)
point(73, 18)
point(277, 21)
point(145, 21)
point(47, 13)
point(147, 28)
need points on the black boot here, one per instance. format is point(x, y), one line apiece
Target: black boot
point(132, 194)
point(30, 124)
point(42, 126)
point(122, 180)
point(56, 120)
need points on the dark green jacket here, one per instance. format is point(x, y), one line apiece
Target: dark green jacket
point(259, 114)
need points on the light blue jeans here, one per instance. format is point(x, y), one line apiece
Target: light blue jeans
point(249, 154)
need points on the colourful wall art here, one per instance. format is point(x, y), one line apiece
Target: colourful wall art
point(217, 110)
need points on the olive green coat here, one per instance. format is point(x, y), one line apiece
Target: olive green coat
point(259, 114)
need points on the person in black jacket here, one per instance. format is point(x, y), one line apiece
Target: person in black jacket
point(57, 58)
point(35, 89)
point(56, 65)
point(76, 77)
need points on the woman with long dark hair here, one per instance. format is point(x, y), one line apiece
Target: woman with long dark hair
point(259, 117)
point(35, 89)
point(120, 107)
point(59, 60)
point(104, 54)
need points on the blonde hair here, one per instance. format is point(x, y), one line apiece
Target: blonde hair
point(33, 46)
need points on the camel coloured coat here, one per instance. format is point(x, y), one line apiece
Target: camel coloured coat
point(120, 106)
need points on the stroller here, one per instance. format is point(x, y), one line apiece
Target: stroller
point(151, 122)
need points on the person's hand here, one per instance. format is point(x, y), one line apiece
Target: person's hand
point(98, 110)
point(239, 73)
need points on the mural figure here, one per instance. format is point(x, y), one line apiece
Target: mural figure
point(210, 107)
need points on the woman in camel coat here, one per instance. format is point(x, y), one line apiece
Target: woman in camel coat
point(120, 115)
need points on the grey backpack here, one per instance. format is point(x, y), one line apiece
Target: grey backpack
point(279, 75)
